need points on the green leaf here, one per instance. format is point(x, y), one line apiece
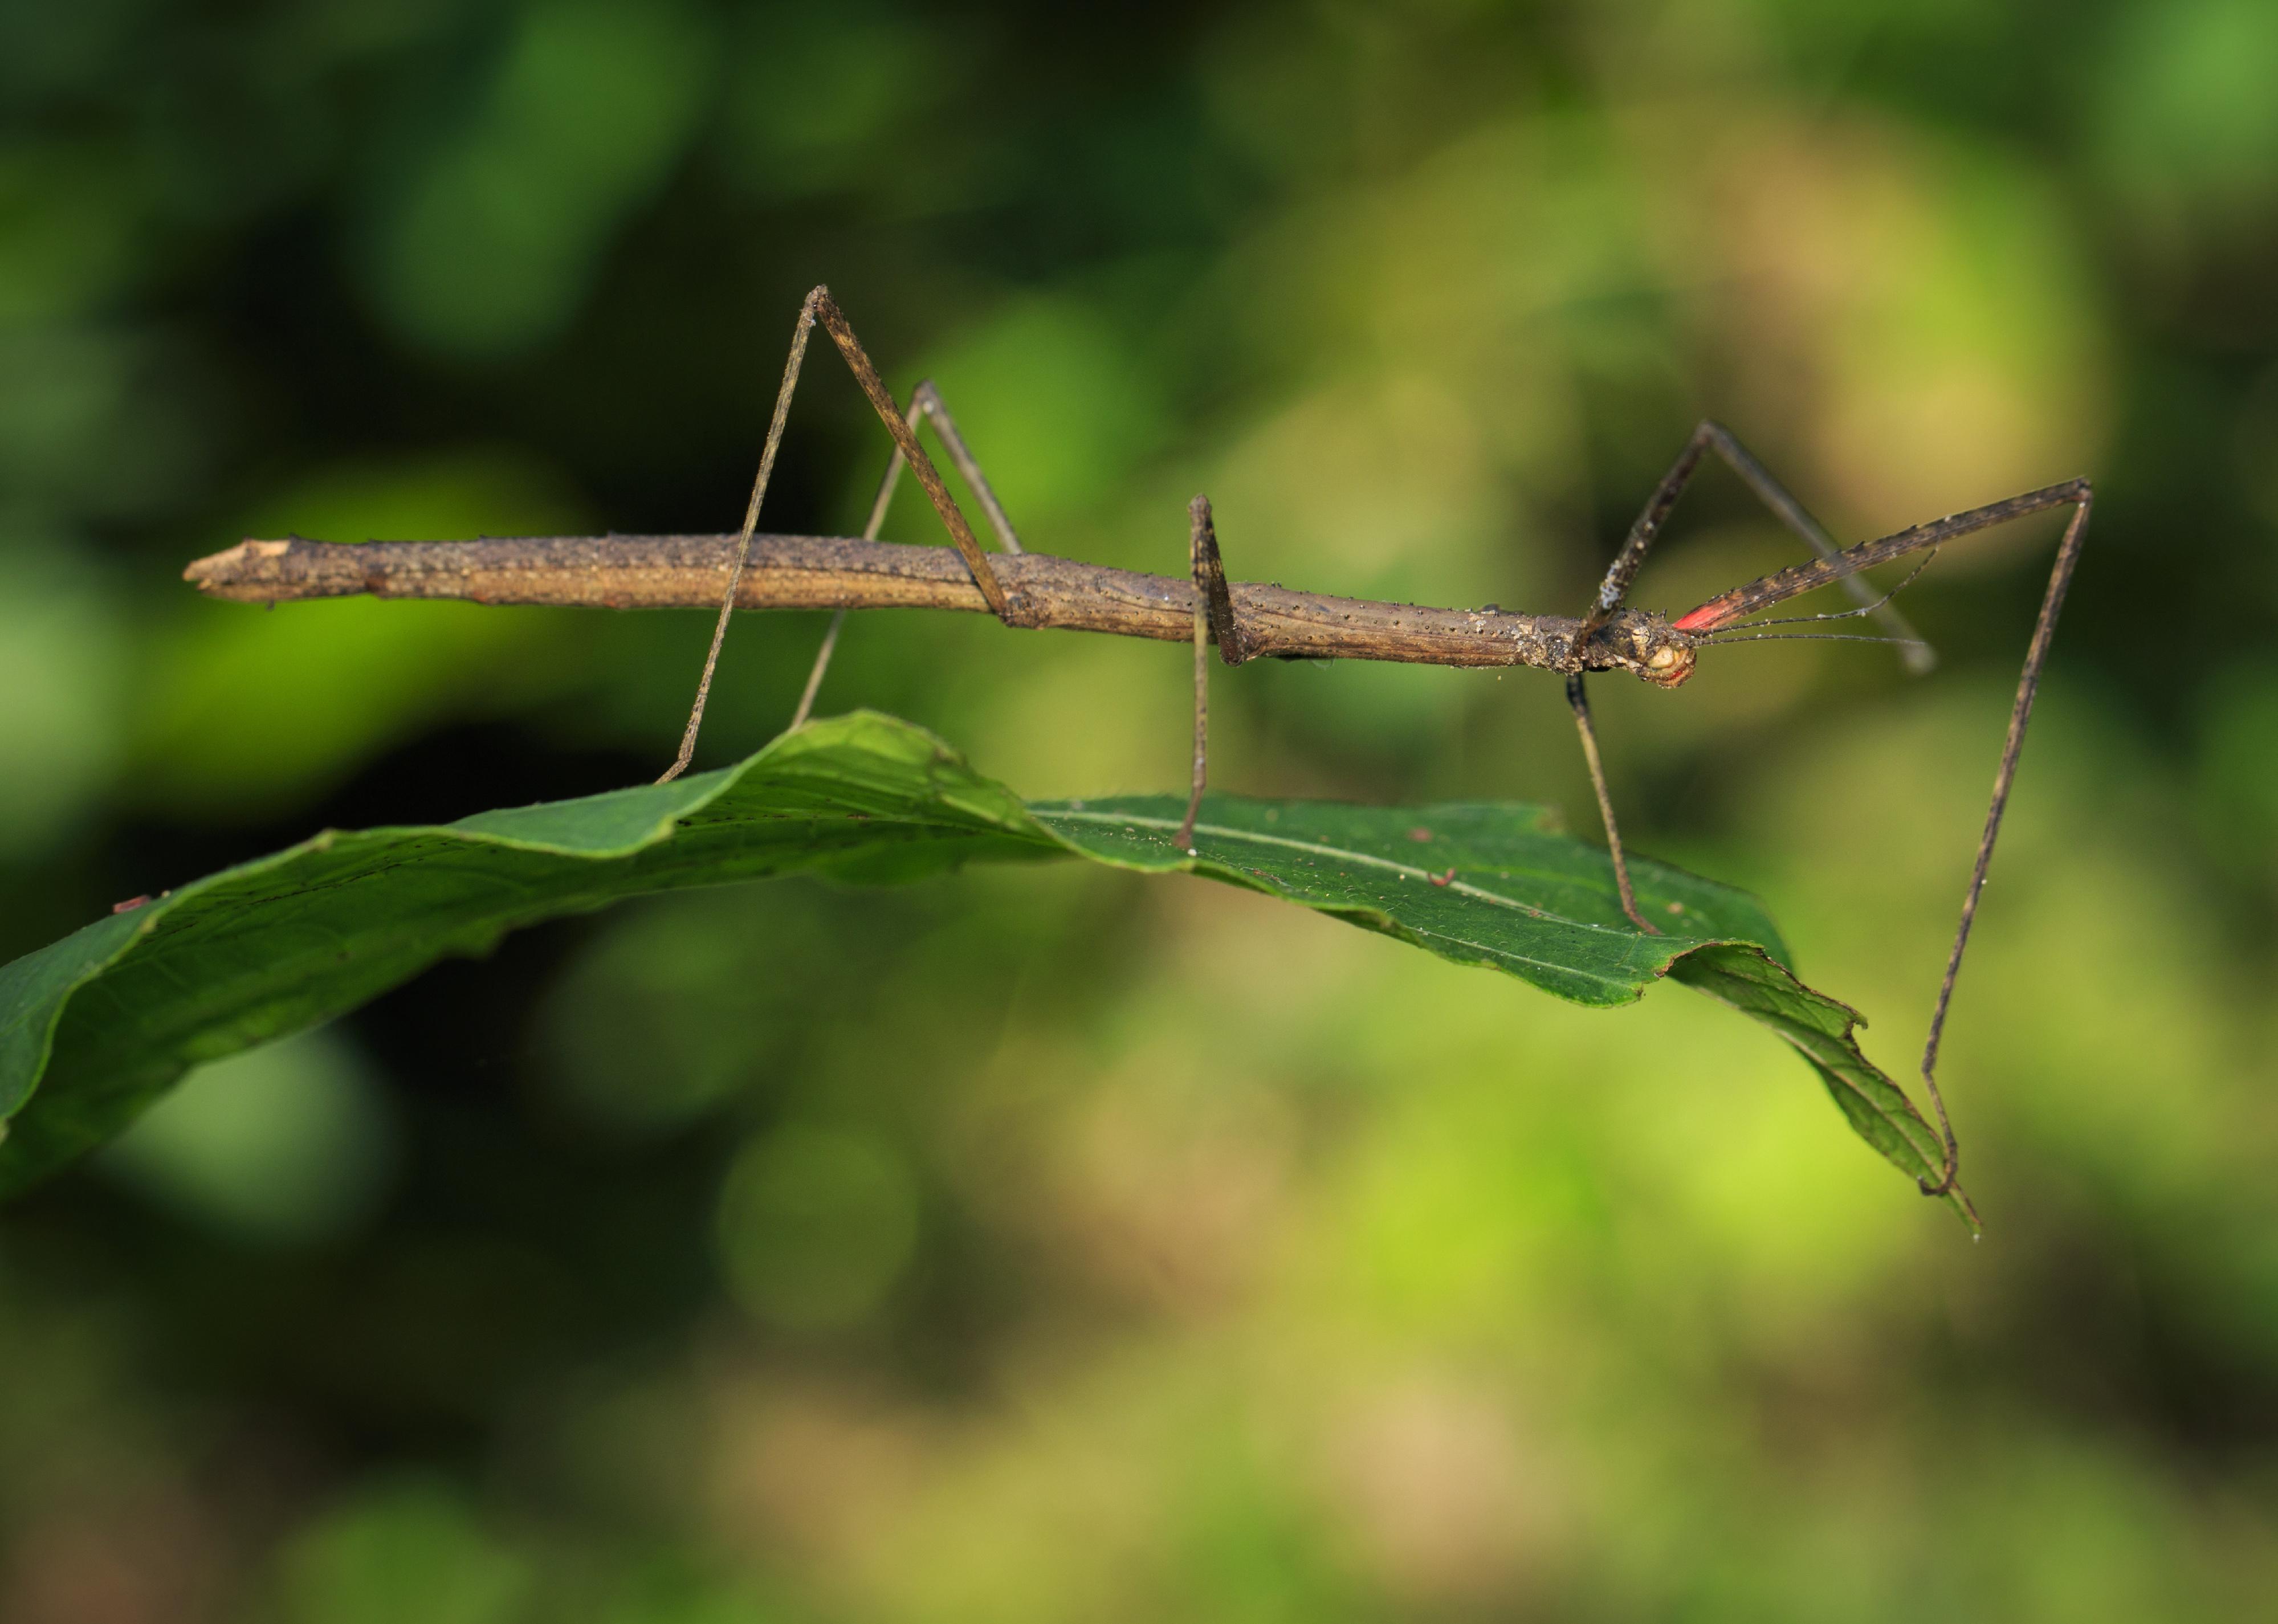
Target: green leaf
point(95, 1026)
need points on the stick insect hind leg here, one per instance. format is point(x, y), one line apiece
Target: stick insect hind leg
point(926, 404)
point(1727, 616)
point(820, 307)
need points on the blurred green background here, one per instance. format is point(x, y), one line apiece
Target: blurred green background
point(1051, 1244)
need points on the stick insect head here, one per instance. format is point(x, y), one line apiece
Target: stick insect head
point(1645, 645)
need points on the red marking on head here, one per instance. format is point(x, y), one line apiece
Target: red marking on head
point(1703, 619)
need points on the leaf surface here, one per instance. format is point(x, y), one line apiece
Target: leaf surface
point(95, 1026)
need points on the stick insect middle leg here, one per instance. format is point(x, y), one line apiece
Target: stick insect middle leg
point(1213, 610)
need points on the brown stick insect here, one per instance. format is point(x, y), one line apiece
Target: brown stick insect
point(1245, 621)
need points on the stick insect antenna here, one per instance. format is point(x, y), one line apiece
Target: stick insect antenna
point(1794, 637)
point(1711, 436)
point(1851, 615)
point(1735, 605)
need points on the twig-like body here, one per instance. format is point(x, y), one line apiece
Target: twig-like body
point(835, 572)
point(1244, 619)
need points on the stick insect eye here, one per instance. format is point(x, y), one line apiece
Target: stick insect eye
point(1663, 658)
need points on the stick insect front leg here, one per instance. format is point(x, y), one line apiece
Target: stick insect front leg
point(820, 307)
point(1728, 615)
point(1711, 436)
point(1706, 436)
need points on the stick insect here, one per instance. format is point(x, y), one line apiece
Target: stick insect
point(1245, 621)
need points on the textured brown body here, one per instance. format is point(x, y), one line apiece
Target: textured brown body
point(831, 571)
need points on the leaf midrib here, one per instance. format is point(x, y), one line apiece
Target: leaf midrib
point(1345, 855)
